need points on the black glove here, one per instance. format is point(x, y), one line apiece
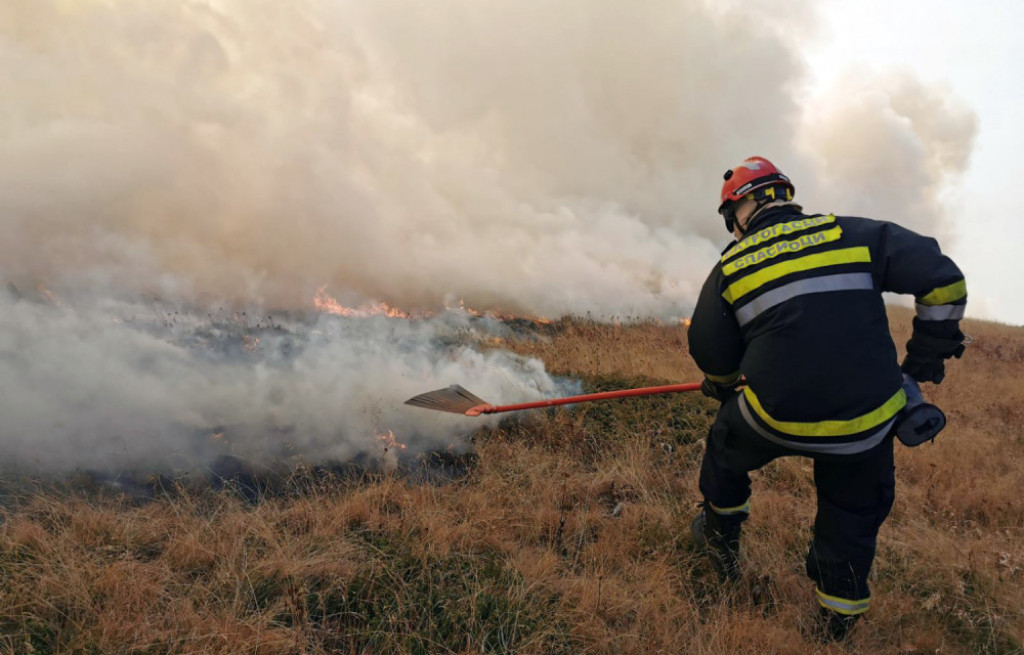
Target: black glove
point(925, 355)
point(924, 369)
point(720, 392)
point(925, 345)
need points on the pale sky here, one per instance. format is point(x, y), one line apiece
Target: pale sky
point(977, 49)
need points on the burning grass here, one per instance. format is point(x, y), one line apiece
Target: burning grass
point(566, 532)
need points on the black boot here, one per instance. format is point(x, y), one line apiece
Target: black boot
point(720, 540)
point(835, 626)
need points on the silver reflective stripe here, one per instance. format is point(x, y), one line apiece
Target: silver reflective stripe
point(940, 312)
point(846, 448)
point(842, 282)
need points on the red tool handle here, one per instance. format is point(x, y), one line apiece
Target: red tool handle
point(604, 395)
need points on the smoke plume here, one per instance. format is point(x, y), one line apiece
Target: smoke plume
point(137, 385)
point(888, 146)
point(530, 157)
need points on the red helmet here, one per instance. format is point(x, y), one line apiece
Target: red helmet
point(753, 174)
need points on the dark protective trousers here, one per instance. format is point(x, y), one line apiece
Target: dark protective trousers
point(855, 494)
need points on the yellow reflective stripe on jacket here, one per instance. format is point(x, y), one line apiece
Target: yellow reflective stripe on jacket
point(731, 511)
point(944, 295)
point(838, 428)
point(723, 379)
point(778, 229)
point(742, 287)
point(843, 605)
point(782, 248)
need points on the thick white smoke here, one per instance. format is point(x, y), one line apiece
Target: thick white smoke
point(525, 156)
point(521, 156)
point(888, 146)
point(123, 384)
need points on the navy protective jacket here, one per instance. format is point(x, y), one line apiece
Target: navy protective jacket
point(796, 307)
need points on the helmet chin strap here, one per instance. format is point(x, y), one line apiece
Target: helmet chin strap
point(741, 228)
point(745, 227)
point(731, 221)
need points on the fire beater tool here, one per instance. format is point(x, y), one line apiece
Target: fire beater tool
point(457, 400)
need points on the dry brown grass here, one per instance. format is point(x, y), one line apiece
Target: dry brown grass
point(569, 535)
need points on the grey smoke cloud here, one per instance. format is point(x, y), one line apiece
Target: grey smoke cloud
point(533, 157)
point(520, 156)
point(524, 156)
point(118, 384)
point(888, 145)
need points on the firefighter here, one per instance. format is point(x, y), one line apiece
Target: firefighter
point(794, 311)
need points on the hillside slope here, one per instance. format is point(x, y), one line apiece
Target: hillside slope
point(567, 533)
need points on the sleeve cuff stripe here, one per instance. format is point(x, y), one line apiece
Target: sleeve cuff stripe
point(940, 312)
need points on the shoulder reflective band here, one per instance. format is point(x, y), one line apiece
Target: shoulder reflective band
point(840, 428)
point(830, 447)
point(745, 285)
point(843, 605)
point(778, 229)
point(731, 511)
point(841, 282)
point(940, 312)
point(782, 248)
point(945, 295)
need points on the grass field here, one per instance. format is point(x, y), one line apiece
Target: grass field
point(566, 533)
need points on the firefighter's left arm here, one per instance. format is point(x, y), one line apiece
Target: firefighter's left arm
point(716, 344)
point(914, 264)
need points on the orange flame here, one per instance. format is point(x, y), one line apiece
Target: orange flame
point(325, 303)
point(501, 317)
point(48, 295)
point(469, 310)
point(389, 441)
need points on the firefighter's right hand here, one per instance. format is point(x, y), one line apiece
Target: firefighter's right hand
point(720, 392)
point(926, 354)
point(924, 369)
